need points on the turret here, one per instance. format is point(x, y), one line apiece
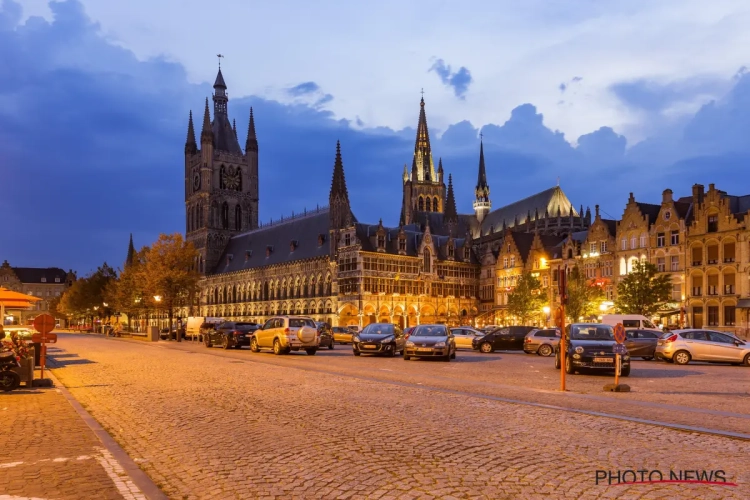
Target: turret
point(207, 137)
point(190, 145)
point(482, 204)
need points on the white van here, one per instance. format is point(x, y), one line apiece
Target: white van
point(193, 326)
point(629, 321)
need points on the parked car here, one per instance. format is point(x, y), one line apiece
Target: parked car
point(166, 333)
point(683, 346)
point(195, 324)
point(230, 334)
point(642, 343)
point(509, 338)
point(430, 341)
point(326, 334)
point(379, 338)
point(465, 335)
point(542, 342)
point(342, 335)
point(628, 321)
point(589, 347)
point(284, 334)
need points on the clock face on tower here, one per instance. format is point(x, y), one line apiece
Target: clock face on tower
point(196, 181)
point(232, 178)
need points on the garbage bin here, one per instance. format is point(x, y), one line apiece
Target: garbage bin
point(37, 353)
point(153, 334)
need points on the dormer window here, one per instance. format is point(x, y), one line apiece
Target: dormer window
point(402, 244)
point(248, 254)
point(450, 250)
point(44, 280)
point(467, 253)
point(381, 241)
point(57, 280)
point(321, 239)
point(293, 245)
point(347, 240)
point(269, 250)
point(229, 258)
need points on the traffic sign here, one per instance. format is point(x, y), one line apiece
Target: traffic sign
point(44, 338)
point(619, 349)
point(558, 317)
point(44, 323)
point(619, 332)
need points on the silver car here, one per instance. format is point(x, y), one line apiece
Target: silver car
point(541, 342)
point(683, 346)
point(464, 335)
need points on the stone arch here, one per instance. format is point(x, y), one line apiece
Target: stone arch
point(428, 204)
point(237, 217)
point(427, 314)
point(420, 204)
point(348, 315)
point(303, 287)
point(435, 204)
point(225, 215)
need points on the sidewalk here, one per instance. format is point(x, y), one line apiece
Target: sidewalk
point(48, 450)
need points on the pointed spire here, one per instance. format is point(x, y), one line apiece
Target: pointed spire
point(340, 210)
point(234, 127)
point(219, 83)
point(207, 134)
point(440, 170)
point(482, 189)
point(131, 253)
point(406, 174)
point(422, 149)
point(251, 144)
point(451, 214)
point(190, 146)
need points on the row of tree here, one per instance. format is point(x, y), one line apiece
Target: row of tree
point(159, 277)
point(643, 291)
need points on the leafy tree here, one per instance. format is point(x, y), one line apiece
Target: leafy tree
point(169, 272)
point(644, 291)
point(128, 292)
point(86, 298)
point(583, 296)
point(526, 299)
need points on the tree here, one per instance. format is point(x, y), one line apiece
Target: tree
point(169, 272)
point(583, 296)
point(526, 299)
point(643, 291)
point(128, 292)
point(86, 298)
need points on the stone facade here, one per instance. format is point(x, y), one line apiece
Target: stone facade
point(44, 283)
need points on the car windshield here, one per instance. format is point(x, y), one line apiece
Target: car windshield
point(300, 322)
point(378, 329)
point(591, 332)
point(430, 331)
point(648, 324)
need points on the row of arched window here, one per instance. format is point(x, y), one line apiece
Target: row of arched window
point(428, 204)
point(195, 217)
point(292, 288)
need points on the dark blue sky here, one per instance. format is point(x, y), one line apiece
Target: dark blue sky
point(91, 146)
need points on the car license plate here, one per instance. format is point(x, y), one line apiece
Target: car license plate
point(602, 360)
point(369, 346)
point(424, 349)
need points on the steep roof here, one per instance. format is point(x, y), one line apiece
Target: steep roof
point(39, 274)
point(248, 250)
point(611, 226)
point(224, 136)
point(439, 224)
point(367, 235)
point(548, 201)
point(649, 210)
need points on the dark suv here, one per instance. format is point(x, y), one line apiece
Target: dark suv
point(589, 347)
point(509, 338)
point(230, 334)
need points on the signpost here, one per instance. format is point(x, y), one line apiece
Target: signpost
point(44, 324)
point(619, 350)
point(560, 320)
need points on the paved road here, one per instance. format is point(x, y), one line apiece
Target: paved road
point(233, 424)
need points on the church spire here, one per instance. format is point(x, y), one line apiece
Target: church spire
point(451, 214)
point(131, 253)
point(190, 146)
point(220, 95)
point(422, 149)
point(339, 208)
point(482, 202)
point(251, 144)
point(207, 134)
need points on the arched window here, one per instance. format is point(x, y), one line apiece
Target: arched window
point(428, 204)
point(237, 218)
point(221, 177)
point(190, 219)
point(435, 204)
point(265, 290)
point(225, 215)
point(421, 204)
point(427, 261)
point(249, 218)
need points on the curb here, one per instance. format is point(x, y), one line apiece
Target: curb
point(139, 478)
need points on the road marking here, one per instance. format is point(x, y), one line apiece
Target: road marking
point(119, 477)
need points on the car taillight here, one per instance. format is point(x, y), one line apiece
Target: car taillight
point(236, 333)
point(671, 338)
point(527, 340)
point(286, 330)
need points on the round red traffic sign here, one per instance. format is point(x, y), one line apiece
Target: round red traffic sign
point(619, 332)
point(44, 323)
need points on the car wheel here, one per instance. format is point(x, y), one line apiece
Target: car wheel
point(406, 358)
point(254, 345)
point(486, 347)
point(311, 351)
point(453, 356)
point(681, 357)
point(225, 342)
point(208, 341)
point(747, 360)
point(557, 362)
point(647, 358)
point(277, 350)
point(356, 352)
point(9, 381)
point(330, 346)
point(568, 366)
point(544, 350)
point(447, 358)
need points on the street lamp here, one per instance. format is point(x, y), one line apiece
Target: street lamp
point(157, 298)
point(546, 310)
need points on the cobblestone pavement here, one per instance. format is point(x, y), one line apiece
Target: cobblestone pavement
point(48, 452)
point(233, 424)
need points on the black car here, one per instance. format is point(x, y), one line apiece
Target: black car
point(589, 347)
point(430, 341)
point(326, 334)
point(642, 343)
point(509, 338)
point(230, 334)
point(379, 338)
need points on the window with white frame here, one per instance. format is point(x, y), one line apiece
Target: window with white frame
point(644, 240)
point(674, 263)
point(603, 247)
point(512, 261)
point(661, 264)
point(633, 241)
point(505, 262)
point(592, 247)
point(624, 244)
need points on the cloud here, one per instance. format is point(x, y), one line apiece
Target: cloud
point(459, 81)
point(565, 85)
point(303, 89)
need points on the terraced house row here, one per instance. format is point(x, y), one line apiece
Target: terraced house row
point(439, 265)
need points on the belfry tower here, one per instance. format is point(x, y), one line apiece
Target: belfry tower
point(221, 181)
point(424, 189)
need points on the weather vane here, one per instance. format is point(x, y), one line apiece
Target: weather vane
point(219, 56)
point(422, 92)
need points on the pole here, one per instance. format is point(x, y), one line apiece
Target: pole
point(563, 347)
point(617, 370)
point(43, 357)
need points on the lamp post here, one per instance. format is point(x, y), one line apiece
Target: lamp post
point(157, 298)
point(546, 311)
point(96, 313)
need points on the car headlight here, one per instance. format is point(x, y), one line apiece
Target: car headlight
point(440, 344)
point(410, 344)
point(388, 340)
point(355, 339)
point(579, 349)
point(626, 357)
